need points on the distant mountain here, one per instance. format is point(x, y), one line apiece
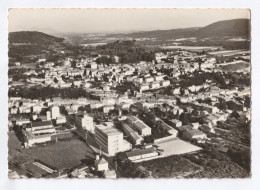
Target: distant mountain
point(33, 37)
point(165, 34)
point(231, 28)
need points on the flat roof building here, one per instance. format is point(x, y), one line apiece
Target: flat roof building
point(109, 139)
point(139, 126)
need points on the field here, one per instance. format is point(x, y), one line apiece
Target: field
point(61, 155)
point(235, 67)
point(190, 47)
point(228, 52)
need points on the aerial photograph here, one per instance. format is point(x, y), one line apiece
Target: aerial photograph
point(129, 93)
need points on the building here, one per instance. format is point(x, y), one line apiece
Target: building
point(165, 83)
point(42, 128)
point(144, 86)
point(158, 78)
point(139, 126)
point(169, 129)
point(138, 80)
point(109, 139)
point(101, 164)
point(148, 79)
point(141, 154)
point(110, 174)
point(36, 109)
point(154, 84)
point(85, 122)
point(176, 123)
point(194, 134)
point(61, 120)
point(107, 108)
point(133, 135)
point(39, 132)
point(55, 112)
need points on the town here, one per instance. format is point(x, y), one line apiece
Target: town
point(120, 110)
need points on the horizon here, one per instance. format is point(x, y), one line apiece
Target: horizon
point(99, 20)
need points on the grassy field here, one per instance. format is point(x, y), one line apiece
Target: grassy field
point(61, 155)
point(170, 167)
point(235, 67)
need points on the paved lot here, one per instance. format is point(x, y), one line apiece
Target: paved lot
point(176, 146)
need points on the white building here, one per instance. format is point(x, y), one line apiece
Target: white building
point(154, 85)
point(158, 78)
point(109, 139)
point(101, 164)
point(141, 154)
point(55, 112)
point(165, 83)
point(138, 80)
point(39, 132)
point(85, 122)
point(61, 120)
point(148, 79)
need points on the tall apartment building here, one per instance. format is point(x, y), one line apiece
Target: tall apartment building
point(109, 139)
point(85, 122)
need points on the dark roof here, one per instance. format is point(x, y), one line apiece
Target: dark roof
point(41, 123)
point(139, 152)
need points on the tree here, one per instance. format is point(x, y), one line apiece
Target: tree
point(235, 114)
point(55, 80)
point(247, 102)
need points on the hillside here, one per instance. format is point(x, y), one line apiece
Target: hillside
point(166, 34)
point(231, 28)
point(33, 37)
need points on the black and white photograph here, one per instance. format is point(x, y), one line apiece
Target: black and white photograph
point(129, 93)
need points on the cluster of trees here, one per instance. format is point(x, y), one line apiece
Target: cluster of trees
point(49, 92)
point(127, 51)
point(240, 155)
point(206, 101)
point(130, 168)
point(19, 52)
point(17, 74)
point(187, 118)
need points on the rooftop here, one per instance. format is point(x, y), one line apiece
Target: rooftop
point(41, 123)
point(108, 130)
point(141, 125)
point(139, 152)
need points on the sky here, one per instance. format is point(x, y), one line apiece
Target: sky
point(116, 20)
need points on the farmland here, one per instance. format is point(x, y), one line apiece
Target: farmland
point(228, 52)
point(191, 47)
point(235, 67)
